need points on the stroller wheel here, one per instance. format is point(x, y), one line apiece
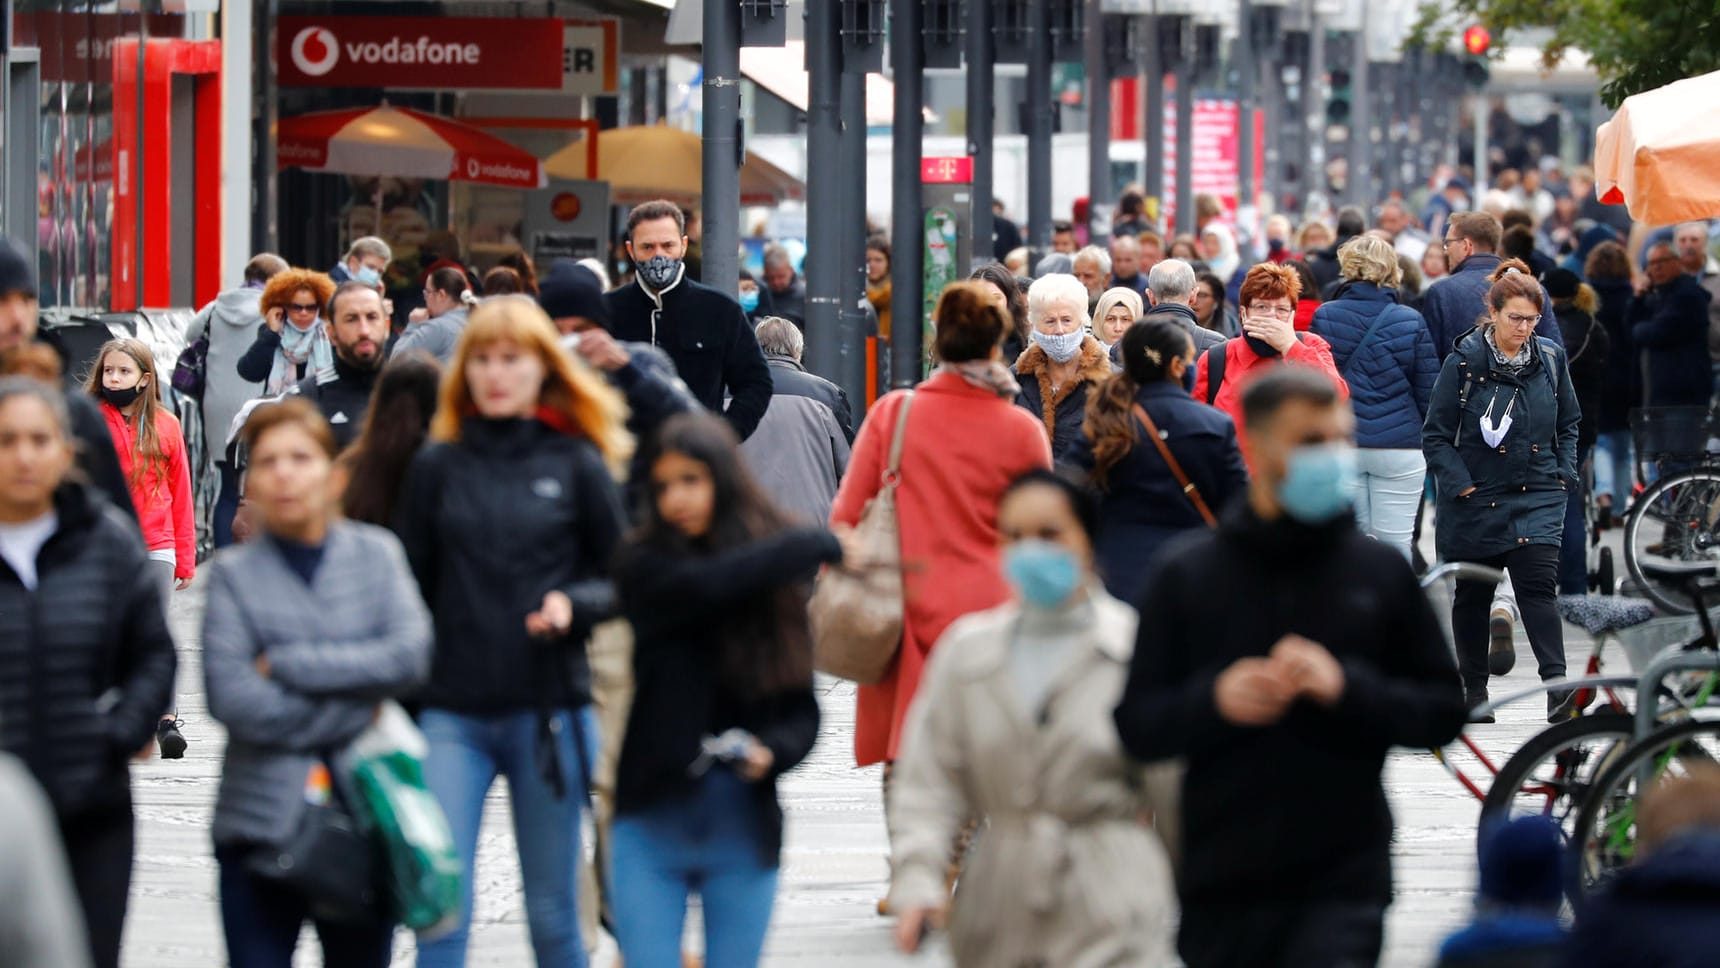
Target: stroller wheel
point(1603, 580)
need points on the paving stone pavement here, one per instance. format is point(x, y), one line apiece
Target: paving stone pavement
point(833, 869)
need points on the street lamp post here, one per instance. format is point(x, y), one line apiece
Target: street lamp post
point(907, 231)
point(1098, 125)
point(721, 203)
point(981, 90)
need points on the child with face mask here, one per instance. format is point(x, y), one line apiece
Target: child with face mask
point(1017, 698)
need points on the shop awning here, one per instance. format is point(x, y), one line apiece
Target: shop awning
point(401, 142)
point(656, 161)
point(782, 72)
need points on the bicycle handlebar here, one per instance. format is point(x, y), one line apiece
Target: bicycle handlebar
point(1462, 570)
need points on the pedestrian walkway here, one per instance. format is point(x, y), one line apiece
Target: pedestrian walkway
point(834, 868)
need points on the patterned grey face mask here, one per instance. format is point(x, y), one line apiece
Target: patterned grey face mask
point(659, 271)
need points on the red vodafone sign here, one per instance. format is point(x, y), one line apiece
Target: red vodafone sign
point(434, 52)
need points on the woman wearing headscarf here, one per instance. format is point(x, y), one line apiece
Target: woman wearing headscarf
point(1118, 309)
point(292, 343)
point(1218, 246)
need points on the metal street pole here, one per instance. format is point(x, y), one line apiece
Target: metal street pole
point(1039, 129)
point(1153, 125)
point(1185, 132)
point(1314, 109)
point(1247, 73)
point(852, 328)
point(907, 232)
point(721, 206)
point(1098, 126)
point(981, 88)
point(824, 176)
point(1479, 160)
point(1361, 145)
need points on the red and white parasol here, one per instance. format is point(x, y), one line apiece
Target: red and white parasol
point(401, 142)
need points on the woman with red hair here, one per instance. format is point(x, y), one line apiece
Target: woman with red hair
point(1268, 299)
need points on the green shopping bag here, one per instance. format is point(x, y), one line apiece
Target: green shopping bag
point(385, 775)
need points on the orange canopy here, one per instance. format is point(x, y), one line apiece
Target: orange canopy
point(1660, 153)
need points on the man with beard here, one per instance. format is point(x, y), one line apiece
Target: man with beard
point(358, 329)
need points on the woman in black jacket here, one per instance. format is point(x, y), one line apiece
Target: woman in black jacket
point(509, 518)
point(1607, 271)
point(86, 662)
point(1587, 343)
point(1501, 443)
point(1142, 503)
point(715, 584)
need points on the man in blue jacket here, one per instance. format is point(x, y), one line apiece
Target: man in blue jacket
point(1472, 254)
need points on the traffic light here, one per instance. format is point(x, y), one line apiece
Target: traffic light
point(1338, 102)
point(1476, 42)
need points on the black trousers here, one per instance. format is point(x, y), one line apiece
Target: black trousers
point(1316, 934)
point(98, 851)
point(1534, 572)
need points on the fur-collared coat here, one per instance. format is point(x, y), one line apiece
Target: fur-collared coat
point(1063, 409)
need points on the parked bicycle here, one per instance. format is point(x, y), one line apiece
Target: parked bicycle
point(1676, 519)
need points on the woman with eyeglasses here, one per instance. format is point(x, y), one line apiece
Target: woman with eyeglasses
point(1501, 442)
point(292, 343)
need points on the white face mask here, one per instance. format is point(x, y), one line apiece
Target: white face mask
point(1492, 432)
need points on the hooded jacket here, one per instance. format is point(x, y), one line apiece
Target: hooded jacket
point(1453, 307)
point(231, 323)
point(1520, 484)
point(161, 493)
point(86, 661)
point(707, 336)
point(1669, 324)
point(1064, 410)
point(1391, 372)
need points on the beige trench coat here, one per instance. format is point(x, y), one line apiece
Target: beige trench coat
point(1066, 873)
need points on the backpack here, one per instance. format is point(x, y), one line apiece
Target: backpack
point(1215, 357)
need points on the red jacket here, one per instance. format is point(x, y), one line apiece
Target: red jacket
point(165, 509)
point(1242, 364)
point(963, 447)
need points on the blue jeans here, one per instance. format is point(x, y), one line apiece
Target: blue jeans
point(1614, 474)
point(262, 919)
point(466, 754)
point(1388, 494)
point(226, 504)
point(707, 842)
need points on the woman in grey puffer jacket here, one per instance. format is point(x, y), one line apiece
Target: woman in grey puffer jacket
point(308, 628)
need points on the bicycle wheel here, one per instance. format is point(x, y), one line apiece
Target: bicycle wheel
point(1552, 773)
point(1604, 837)
point(1677, 520)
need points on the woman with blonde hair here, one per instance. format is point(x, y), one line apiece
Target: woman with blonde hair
point(152, 456)
point(292, 344)
point(510, 517)
point(1384, 351)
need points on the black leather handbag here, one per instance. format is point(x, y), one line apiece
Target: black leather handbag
point(330, 861)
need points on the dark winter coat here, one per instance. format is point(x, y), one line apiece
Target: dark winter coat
point(345, 401)
point(1183, 315)
point(1218, 596)
point(804, 441)
point(1509, 939)
point(1141, 504)
point(1669, 324)
point(706, 334)
point(86, 661)
point(1063, 411)
point(1520, 485)
point(1622, 388)
point(678, 605)
point(491, 523)
point(1590, 350)
point(1657, 913)
point(1391, 374)
point(1453, 307)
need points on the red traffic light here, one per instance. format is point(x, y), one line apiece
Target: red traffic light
point(1476, 40)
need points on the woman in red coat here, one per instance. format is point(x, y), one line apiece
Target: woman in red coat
point(965, 441)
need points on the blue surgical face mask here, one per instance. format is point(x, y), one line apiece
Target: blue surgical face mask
point(1043, 573)
point(1318, 485)
point(1061, 347)
point(368, 276)
point(749, 299)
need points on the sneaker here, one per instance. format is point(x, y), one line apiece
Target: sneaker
point(1561, 705)
point(169, 739)
point(1475, 700)
point(1501, 647)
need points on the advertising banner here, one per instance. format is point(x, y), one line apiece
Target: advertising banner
point(446, 53)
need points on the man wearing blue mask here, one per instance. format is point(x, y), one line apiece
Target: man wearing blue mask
point(365, 262)
point(1335, 657)
point(704, 330)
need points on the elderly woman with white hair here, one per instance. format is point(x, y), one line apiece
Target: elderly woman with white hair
point(1383, 349)
point(1063, 363)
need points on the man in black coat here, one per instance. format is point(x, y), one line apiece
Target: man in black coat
point(1323, 263)
point(1669, 322)
point(1333, 657)
point(19, 325)
point(358, 329)
point(703, 330)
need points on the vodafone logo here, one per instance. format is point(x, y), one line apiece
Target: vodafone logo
point(315, 51)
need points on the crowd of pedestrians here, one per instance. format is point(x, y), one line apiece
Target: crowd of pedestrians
point(574, 529)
